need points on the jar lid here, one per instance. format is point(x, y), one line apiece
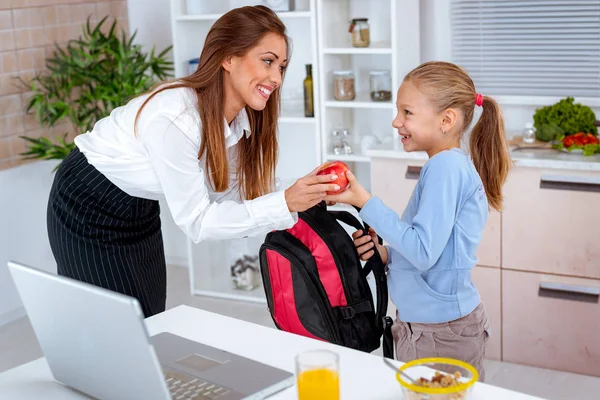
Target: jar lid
point(354, 20)
point(194, 61)
point(379, 72)
point(345, 72)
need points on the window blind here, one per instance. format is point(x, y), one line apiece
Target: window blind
point(529, 48)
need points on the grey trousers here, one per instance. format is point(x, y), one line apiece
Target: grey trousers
point(462, 339)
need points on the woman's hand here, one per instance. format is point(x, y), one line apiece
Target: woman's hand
point(309, 190)
point(355, 194)
point(367, 244)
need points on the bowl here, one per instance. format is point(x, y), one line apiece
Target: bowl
point(453, 387)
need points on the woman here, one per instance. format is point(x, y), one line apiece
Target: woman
point(205, 143)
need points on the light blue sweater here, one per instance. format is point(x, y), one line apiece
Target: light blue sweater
point(432, 246)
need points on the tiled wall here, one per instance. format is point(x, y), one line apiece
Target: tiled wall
point(28, 31)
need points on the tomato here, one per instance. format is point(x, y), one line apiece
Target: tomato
point(338, 168)
point(568, 141)
point(591, 139)
point(579, 139)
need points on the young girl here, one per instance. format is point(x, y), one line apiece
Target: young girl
point(432, 245)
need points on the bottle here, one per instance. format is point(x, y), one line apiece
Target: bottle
point(309, 106)
point(529, 133)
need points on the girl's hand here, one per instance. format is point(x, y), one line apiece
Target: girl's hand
point(367, 244)
point(309, 191)
point(355, 194)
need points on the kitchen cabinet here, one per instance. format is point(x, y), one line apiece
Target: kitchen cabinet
point(551, 321)
point(550, 222)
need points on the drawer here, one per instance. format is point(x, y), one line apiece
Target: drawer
point(393, 181)
point(550, 222)
point(487, 281)
point(547, 322)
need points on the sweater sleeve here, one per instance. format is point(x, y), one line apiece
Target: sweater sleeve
point(423, 241)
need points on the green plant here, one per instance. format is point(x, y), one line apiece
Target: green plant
point(563, 118)
point(86, 80)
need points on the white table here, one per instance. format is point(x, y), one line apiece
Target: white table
point(362, 375)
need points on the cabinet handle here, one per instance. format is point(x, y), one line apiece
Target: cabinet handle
point(413, 172)
point(573, 183)
point(565, 291)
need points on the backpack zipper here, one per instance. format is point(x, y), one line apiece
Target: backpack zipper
point(326, 310)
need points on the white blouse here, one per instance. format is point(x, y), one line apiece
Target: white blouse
point(161, 161)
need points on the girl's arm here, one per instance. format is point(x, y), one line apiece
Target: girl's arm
point(422, 241)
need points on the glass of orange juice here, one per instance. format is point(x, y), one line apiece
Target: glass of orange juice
point(317, 372)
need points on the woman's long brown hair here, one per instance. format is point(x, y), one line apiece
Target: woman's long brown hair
point(448, 86)
point(234, 34)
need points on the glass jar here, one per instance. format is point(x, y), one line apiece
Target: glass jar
point(343, 85)
point(336, 143)
point(346, 140)
point(360, 32)
point(529, 133)
point(380, 85)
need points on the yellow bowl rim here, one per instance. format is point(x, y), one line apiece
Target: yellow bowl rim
point(438, 360)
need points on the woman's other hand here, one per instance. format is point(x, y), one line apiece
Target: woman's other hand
point(309, 191)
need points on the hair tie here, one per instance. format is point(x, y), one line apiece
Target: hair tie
point(479, 100)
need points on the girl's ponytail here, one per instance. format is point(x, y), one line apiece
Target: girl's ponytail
point(489, 151)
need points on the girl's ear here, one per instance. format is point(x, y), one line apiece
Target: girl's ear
point(449, 119)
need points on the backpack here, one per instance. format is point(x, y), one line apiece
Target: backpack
point(316, 286)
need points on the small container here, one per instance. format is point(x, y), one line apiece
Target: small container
point(360, 32)
point(380, 85)
point(426, 368)
point(336, 142)
point(343, 85)
point(529, 133)
point(346, 140)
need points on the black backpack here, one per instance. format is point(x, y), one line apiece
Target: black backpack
point(316, 285)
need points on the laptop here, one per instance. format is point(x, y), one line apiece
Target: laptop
point(95, 341)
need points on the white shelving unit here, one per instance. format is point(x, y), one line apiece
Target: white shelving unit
point(394, 34)
point(319, 35)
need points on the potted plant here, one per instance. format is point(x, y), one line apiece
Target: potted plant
point(86, 80)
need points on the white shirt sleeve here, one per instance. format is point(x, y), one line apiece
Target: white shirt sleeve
point(174, 158)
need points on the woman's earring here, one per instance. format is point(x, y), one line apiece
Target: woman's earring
point(443, 131)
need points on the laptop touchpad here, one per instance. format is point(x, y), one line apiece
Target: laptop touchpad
point(198, 362)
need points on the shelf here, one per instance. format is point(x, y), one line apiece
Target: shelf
point(348, 157)
point(379, 48)
point(362, 100)
point(214, 17)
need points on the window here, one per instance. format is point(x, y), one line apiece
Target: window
point(529, 48)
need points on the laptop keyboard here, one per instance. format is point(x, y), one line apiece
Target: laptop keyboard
point(184, 387)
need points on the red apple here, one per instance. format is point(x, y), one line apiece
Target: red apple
point(338, 168)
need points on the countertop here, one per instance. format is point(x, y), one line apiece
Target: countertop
point(362, 375)
point(537, 158)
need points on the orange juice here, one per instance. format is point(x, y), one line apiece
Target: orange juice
point(318, 384)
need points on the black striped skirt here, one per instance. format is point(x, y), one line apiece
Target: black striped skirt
point(101, 235)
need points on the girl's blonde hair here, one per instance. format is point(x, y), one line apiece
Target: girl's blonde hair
point(448, 86)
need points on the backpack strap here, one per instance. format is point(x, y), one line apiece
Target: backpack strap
point(375, 264)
